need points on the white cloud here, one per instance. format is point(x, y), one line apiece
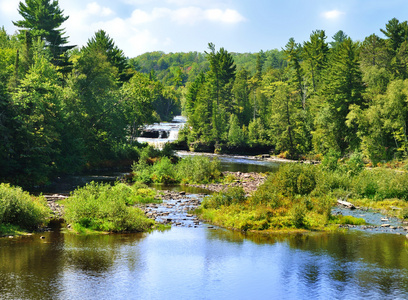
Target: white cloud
point(228, 16)
point(140, 17)
point(332, 14)
point(187, 15)
point(95, 9)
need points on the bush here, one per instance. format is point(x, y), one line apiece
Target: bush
point(234, 195)
point(198, 169)
point(355, 164)
point(102, 207)
point(380, 184)
point(330, 160)
point(292, 179)
point(18, 208)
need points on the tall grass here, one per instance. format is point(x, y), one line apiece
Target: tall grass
point(18, 208)
point(193, 169)
point(102, 207)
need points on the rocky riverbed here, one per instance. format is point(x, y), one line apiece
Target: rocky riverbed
point(175, 209)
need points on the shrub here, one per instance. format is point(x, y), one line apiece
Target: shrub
point(298, 213)
point(380, 184)
point(355, 164)
point(330, 160)
point(198, 169)
point(102, 207)
point(20, 209)
point(234, 195)
point(163, 171)
point(292, 179)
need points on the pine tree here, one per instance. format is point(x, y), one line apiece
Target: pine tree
point(103, 43)
point(42, 19)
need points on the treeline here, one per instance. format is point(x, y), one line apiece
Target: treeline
point(340, 97)
point(179, 69)
point(62, 108)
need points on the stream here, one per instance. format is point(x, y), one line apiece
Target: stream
point(194, 260)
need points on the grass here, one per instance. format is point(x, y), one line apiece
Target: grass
point(105, 208)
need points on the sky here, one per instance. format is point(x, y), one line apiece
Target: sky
point(139, 26)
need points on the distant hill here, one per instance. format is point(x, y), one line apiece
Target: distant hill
point(180, 68)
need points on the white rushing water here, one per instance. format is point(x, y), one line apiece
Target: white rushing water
point(159, 134)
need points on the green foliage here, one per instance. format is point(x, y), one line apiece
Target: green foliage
point(198, 169)
point(380, 184)
point(101, 42)
point(233, 195)
point(42, 19)
point(330, 161)
point(295, 179)
point(18, 208)
point(236, 136)
point(102, 207)
point(192, 169)
point(348, 220)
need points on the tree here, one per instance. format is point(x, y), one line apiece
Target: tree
point(93, 101)
point(373, 52)
point(396, 33)
point(338, 38)
point(285, 124)
point(342, 88)
point(236, 136)
point(103, 43)
point(37, 105)
point(315, 55)
point(241, 92)
point(293, 53)
point(220, 79)
point(42, 19)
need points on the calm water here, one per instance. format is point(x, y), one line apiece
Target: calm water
point(202, 263)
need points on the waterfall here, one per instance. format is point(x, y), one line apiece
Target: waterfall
point(159, 134)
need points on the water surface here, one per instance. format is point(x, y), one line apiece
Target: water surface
point(202, 263)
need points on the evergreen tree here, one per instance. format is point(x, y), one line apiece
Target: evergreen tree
point(342, 88)
point(315, 56)
point(103, 43)
point(293, 53)
point(220, 80)
point(338, 38)
point(42, 19)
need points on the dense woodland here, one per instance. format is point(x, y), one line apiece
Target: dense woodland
point(64, 108)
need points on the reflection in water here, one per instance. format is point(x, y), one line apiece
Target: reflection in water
point(188, 263)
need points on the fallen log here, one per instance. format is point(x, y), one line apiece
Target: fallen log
point(346, 204)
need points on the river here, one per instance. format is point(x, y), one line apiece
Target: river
point(205, 263)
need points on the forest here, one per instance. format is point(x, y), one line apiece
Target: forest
point(65, 108)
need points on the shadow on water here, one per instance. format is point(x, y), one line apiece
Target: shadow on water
point(218, 263)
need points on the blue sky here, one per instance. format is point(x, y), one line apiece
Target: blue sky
point(139, 26)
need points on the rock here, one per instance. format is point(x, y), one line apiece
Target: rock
point(385, 225)
point(384, 219)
